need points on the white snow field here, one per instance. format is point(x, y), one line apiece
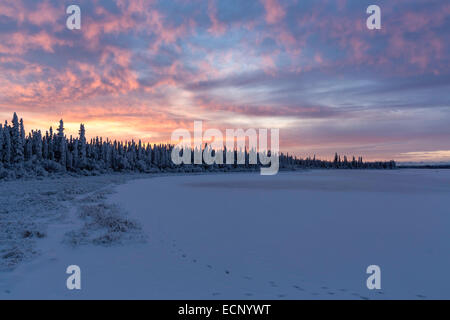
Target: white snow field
point(296, 235)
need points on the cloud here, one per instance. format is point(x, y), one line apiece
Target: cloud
point(311, 67)
point(19, 43)
point(217, 28)
point(438, 155)
point(274, 11)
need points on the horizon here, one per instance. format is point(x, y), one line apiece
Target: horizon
point(141, 69)
point(204, 143)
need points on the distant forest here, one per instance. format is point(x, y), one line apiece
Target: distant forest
point(38, 154)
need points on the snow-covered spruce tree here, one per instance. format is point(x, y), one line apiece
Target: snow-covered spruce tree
point(7, 152)
point(37, 144)
point(50, 142)
point(75, 154)
point(22, 131)
point(82, 147)
point(69, 160)
point(1, 143)
point(28, 149)
point(16, 141)
point(61, 145)
point(45, 154)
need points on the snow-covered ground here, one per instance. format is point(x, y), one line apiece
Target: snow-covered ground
point(299, 235)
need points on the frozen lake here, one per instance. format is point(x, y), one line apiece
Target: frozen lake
point(297, 235)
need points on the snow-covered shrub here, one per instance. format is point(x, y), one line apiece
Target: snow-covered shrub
point(33, 233)
point(11, 175)
point(4, 173)
point(141, 165)
point(153, 170)
point(104, 224)
point(40, 171)
point(106, 216)
point(13, 256)
point(52, 166)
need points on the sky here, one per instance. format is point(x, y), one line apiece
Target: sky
point(143, 68)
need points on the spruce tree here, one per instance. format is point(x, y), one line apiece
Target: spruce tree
point(82, 147)
point(1, 143)
point(7, 152)
point(61, 144)
point(16, 141)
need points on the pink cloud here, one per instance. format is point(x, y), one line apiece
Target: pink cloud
point(45, 13)
point(21, 42)
point(217, 28)
point(39, 15)
point(13, 9)
point(274, 11)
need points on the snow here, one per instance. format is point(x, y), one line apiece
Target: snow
point(423, 163)
point(296, 235)
point(28, 207)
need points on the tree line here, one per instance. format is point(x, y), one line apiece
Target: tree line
point(39, 154)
